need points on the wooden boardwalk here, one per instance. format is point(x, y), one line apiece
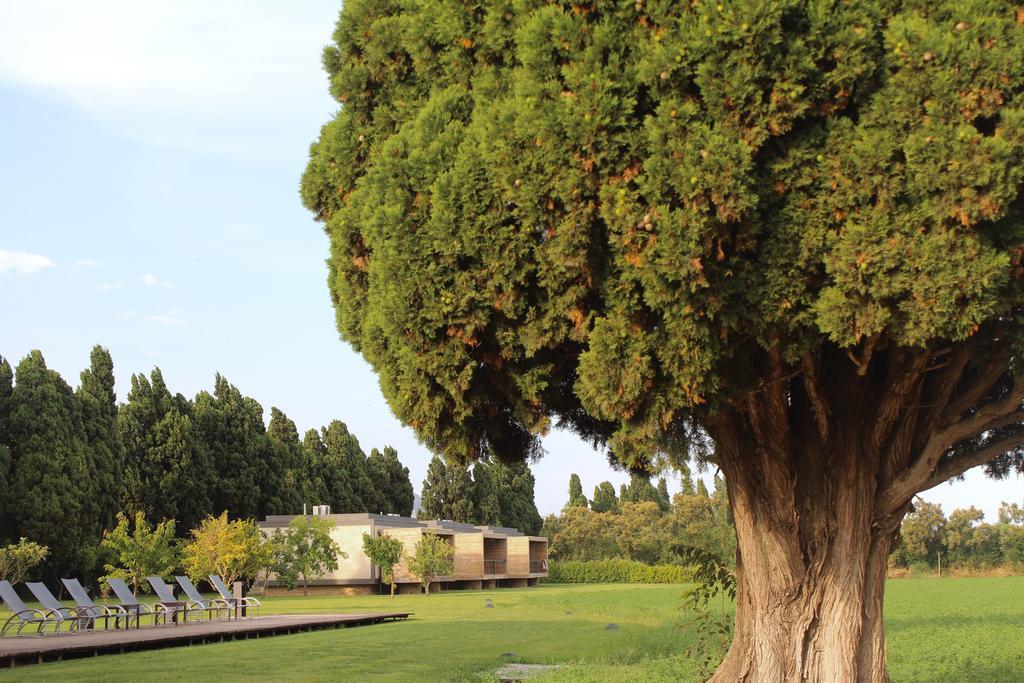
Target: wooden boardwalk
point(37, 649)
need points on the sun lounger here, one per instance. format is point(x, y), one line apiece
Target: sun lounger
point(87, 606)
point(215, 606)
point(173, 605)
point(22, 616)
point(132, 604)
point(236, 603)
point(58, 612)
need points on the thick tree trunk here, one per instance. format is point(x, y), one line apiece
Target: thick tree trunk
point(812, 551)
point(808, 609)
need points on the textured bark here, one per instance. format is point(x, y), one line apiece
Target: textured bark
point(810, 582)
point(822, 463)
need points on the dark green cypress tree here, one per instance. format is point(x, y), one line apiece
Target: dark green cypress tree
point(6, 458)
point(434, 503)
point(285, 489)
point(702, 490)
point(485, 496)
point(51, 486)
point(229, 427)
point(664, 500)
point(314, 456)
point(687, 479)
point(104, 454)
point(640, 489)
point(576, 497)
point(514, 484)
point(460, 494)
point(392, 479)
point(342, 486)
point(167, 471)
point(604, 499)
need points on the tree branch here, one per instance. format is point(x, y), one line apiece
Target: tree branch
point(955, 466)
point(819, 404)
point(922, 470)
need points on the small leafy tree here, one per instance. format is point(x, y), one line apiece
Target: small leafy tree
point(305, 550)
point(230, 549)
point(431, 559)
point(18, 558)
point(140, 552)
point(385, 552)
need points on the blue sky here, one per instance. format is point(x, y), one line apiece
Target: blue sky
point(150, 155)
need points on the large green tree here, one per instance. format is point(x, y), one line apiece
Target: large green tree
point(784, 236)
point(6, 459)
point(167, 471)
point(576, 497)
point(51, 487)
point(230, 426)
point(286, 480)
point(391, 478)
point(104, 454)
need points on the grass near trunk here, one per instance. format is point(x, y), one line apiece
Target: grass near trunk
point(937, 630)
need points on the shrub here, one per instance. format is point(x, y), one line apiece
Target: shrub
point(617, 571)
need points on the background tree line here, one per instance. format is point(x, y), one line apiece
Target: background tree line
point(492, 493)
point(71, 459)
point(642, 522)
point(963, 540)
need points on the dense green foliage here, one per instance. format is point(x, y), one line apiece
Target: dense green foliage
point(616, 571)
point(589, 213)
point(71, 460)
point(230, 548)
point(391, 478)
point(495, 494)
point(304, 551)
point(384, 552)
point(432, 557)
point(51, 493)
point(604, 499)
point(645, 531)
point(565, 624)
point(18, 559)
point(137, 551)
point(963, 540)
point(576, 497)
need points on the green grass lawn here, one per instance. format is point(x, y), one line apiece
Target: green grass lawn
point(938, 630)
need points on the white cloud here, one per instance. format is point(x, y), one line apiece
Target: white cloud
point(83, 263)
point(108, 286)
point(176, 73)
point(23, 262)
point(169, 318)
point(151, 280)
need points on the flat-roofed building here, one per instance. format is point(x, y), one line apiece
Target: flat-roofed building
point(484, 556)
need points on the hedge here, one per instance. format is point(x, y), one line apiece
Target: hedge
point(616, 571)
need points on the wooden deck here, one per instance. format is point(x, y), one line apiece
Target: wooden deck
point(37, 649)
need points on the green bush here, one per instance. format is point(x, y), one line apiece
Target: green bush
point(617, 571)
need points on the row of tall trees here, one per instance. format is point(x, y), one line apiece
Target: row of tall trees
point(639, 489)
point(71, 459)
point(962, 540)
point(492, 493)
point(640, 525)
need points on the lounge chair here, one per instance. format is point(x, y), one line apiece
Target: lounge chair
point(236, 603)
point(132, 604)
point(214, 606)
point(56, 610)
point(172, 604)
point(22, 616)
point(87, 606)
